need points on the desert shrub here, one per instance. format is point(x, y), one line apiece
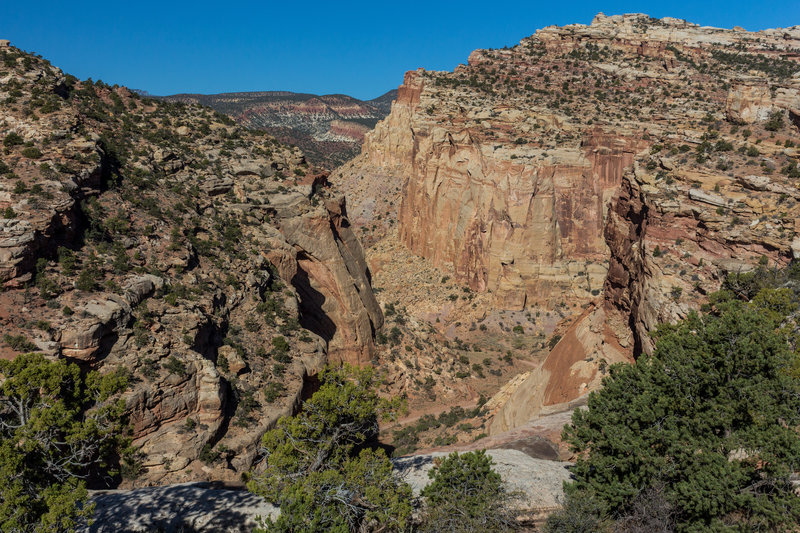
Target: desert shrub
point(775, 121)
point(175, 366)
point(31, 152)
point(273, 390)
point(19, 343)
point(466, 494)
point(13, 139)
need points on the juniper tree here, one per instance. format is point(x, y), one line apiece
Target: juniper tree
point(710, 419)
point(320, 469)
point(57, 428)
point(466, 494)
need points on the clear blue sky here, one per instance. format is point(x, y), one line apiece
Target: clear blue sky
point(361, 49)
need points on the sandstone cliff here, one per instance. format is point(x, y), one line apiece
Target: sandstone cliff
point(621, 167)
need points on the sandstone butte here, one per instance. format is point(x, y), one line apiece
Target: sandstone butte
point(621, 168)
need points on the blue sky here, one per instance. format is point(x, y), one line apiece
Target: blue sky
point(356, 48)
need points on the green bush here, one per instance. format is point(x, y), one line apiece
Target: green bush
point(279, 345)
point(580, 513)
point(273, 391)
point(88, 279)
point(58, 426)
point(465, 495)
point(13, 139)
point(775, 121)
point(175, 366)
point(31, 152)
point(208, 454)
point(553, 341)
point(19, 343)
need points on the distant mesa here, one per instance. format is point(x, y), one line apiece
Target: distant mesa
point(328, 128)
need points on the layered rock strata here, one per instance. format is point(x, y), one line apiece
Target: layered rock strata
point(624, 167)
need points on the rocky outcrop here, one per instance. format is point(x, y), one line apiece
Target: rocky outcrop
point(197, 507)
point(103, 319)
point(328, 269)
point(162, 239)
point(748, 103)
point(574, 367)
point(540, 482)
point(204, 507)
point(628, 273)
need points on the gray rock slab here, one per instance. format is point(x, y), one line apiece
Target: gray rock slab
point(186, 507)
point(540, 481)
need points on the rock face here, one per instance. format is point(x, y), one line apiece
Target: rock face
point(332, 280)
point(329, 129)
point(163, 239)
point(522, 231)
point(753, 103)
point(603, 167)
point(513, 220)
point(573, 368)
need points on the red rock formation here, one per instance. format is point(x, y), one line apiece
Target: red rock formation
point(592, 157)
point(628, 272)
point(326, 265)
point(472, 208)
point(348, 130)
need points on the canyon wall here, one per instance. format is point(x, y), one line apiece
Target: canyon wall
point(603, 167)
point(511, 219)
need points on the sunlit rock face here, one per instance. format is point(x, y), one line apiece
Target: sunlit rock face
point(620, 168)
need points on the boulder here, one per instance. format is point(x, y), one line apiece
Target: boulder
point(236, 364)
point(701, 196)
point(214, 185)
point(140, 287)
point(796, 248)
